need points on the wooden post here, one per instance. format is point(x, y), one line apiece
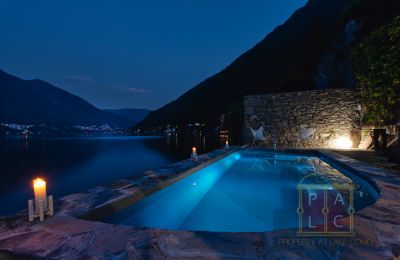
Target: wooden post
point(41, 210)
point(51, 207)
point(30, 210)
point(40, 206)
point(397, 147)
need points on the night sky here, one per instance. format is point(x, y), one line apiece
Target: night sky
point(139, 54)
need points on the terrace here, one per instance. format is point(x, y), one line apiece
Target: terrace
point(75, 231)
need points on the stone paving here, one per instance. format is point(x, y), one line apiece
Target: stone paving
point(377, 159)
point(71, 235)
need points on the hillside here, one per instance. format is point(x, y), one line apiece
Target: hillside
point(130, 115)
point(38, 102)
point(285, 60)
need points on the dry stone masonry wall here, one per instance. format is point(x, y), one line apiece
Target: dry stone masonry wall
point(329, 114)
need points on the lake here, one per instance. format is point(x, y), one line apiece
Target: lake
point(76, 164)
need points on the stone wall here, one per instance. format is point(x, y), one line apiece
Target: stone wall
point(332, 113)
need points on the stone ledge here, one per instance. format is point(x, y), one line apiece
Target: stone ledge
point(103, 200)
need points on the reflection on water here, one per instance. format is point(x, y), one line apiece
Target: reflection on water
point(77, 164)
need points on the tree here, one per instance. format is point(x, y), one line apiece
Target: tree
point(377, 65)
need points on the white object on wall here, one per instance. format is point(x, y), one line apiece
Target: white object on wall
point(306, 133)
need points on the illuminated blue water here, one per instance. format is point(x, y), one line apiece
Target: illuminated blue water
point(246, 191)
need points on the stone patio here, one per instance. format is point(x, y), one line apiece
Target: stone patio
point(72, 233)
point(377, 159)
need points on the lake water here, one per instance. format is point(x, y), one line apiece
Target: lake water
point(76, 164)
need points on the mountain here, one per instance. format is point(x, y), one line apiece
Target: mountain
point(130, 115)
point(38, 102)
point(285, 60)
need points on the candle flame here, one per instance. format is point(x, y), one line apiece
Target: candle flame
point(38, 183)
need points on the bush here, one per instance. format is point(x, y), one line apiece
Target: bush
point(377, 66)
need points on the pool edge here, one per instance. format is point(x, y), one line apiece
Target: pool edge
point(107, 209)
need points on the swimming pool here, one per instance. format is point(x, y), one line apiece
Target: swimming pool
point(247, 191)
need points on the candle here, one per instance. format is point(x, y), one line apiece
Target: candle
point(39, 188)
point(194, 154)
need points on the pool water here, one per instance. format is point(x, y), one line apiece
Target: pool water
point(247, 191)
